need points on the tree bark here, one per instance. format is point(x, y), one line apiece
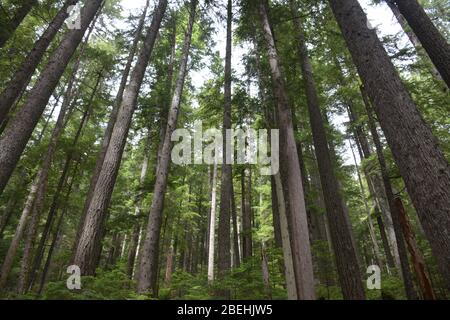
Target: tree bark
point(417, 257)
point(19, 131)
point(289, 273)
point(23, 75)
point(212, 226)
point(110, 126)
point(236, 255)
point(432, 40)
point(376, 189)
point(10, 26)
point(411, 36)
point(224, 230)
point(7, 213)
point(372, 234)
point(420, 160)
point(405, 270)
point(90, 239)
point(246, 219)
point(134, 240)
point(62, 181)
point(149, 260)
point(289, 164)
point(344, 249)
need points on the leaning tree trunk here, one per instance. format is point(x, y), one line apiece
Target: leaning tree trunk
point(149, 261)
point(289, 163)
point(371, 228)
point(21, 127)
point(9, 26)
point(212, 225)
point(375, 185)
point(110, 126)
point(89, 243)
point(404, 262)
point(134, 239)
point(429, 36)
point(376, 189)
point(343, 245)
point(23, 75)
point(236, 255)
point(416, 151)
point(224, 232)
point(57, 232)
point(37, 209)
point(289, 273)
point(62, 181)
point(7, 213)
point(38, 187)
point(411, 36)
point(246, 220)
point(417, 258)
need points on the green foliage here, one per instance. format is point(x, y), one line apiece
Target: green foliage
point(106, 285)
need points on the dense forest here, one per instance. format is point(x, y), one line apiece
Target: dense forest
point(121, 177)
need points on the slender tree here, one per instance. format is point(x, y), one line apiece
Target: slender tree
point(134, 239)
point(22, 76)
point(150, 254)
point(17, 134)
point(404, 263)
point(112, 120)
point(291, 173)
point(434, 43)
point(212, 225)
point(344, 249)
point(89, 244)
point(9, 26)
point(224, 232)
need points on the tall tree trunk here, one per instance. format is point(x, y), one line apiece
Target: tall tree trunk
point(62, 181)
point(372, 234)
point(149, 260)
point(376, 189)
point(57, 232)
point(289, 273)
point(224, 230)
point(89, 243)
point(236, 255)
point(10, 25)
point(293, 192)
point(165, 106)
point(23, 75)
point(421, 161)
point(411, 36)
point(37, 188)
point(384, 239)
point(19, 131)
point(265, 272)
point(110, 126)
point(344, 249)
point(42, 186)
point(275, 214)
point(246, 219)
point(417, 257)
point(429, 36)
point(405, 270)
point(212, 225)
point(134, 240)
point(7, 213)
